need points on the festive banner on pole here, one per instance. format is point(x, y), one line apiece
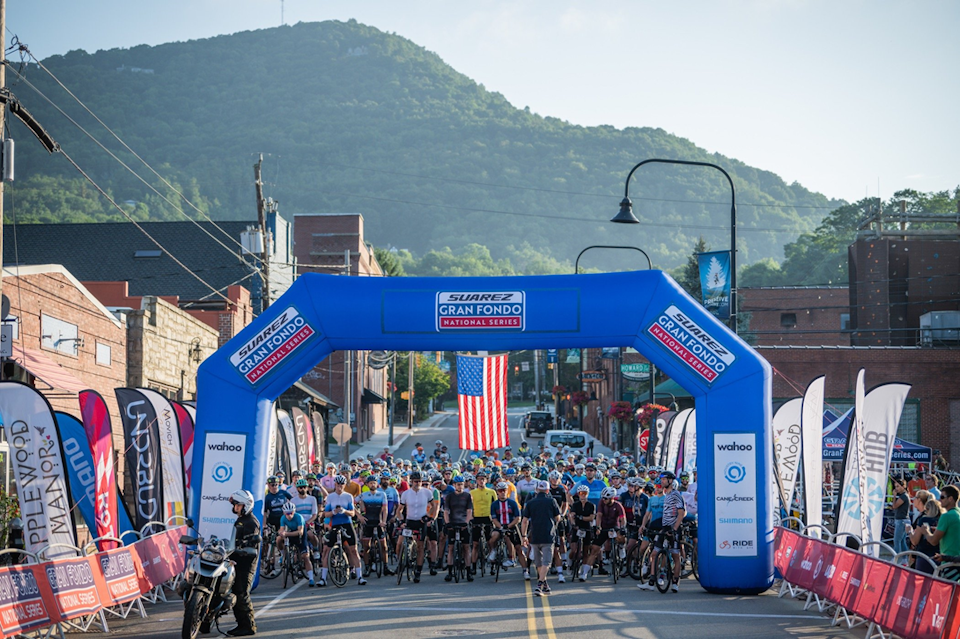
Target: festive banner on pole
point(811, 426)
point(674, 435)
point(787, 442)
point(319, 434)
point(83, 479)
point(185, 417)
point(288, 449)
point(300, 430)
point(311, 442)
point(111, 516)
point(690, 443)
point(715, 282)
point(273, 442)
point(171, 455)
point(657, 442)
point(141, 437)
point(42, 486)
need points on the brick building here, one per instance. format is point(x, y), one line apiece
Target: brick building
point(64, 341)
point(333, 244)
point(798, 315)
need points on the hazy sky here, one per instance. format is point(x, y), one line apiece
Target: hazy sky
point(837, 95)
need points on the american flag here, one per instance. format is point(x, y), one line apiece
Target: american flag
point(482, 397)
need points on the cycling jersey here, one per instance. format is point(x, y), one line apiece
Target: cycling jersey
point(393, 498)
point(373, 502)
point(655, 507)
point(306, 506)
point(559, 494)
point(345, 500)
point(457, 505)
point(690, 503)
point(272, 505)
point(328, 482)
point(596, 487)
point(582, 509)
point(526, 488)
point(293, 523)
point(416, 502)
point(482, 499)
point(504, 511)
point(672, 502)
point(609, 514)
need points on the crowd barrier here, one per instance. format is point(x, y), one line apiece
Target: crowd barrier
point(892, 598)
point(77, 590)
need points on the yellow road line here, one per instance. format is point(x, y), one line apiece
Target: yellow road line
point(531, 612)
point(548, 618)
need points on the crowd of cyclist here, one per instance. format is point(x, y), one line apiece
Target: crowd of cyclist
point(600, 500)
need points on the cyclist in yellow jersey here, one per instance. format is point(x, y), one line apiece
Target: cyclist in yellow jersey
point(481, 524)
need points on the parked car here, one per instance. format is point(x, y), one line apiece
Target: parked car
point(555, 440)
point(537, 422)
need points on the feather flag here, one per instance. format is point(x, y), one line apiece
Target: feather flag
point(482, 398)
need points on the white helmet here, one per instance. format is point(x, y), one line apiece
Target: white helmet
point(608, 493)
point(289, 507)
point(243, 497)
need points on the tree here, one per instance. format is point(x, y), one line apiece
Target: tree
point(429, 382)
point(389, 262)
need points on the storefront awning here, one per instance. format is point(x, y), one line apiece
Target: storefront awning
point(369, 397)
point(46, 370)
point(316, 395)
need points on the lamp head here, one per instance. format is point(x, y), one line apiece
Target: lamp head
point(625, 216)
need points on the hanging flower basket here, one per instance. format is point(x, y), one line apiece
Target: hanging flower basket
point(559, 389)
point(579, 398)
point(621, 411)
point(646, 413)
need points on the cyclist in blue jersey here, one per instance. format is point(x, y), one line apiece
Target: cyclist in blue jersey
point(273, 502)
point(293, 529)
point(593, 482)
point(373, 519)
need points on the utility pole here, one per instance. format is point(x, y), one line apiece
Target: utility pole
point(536, 379)
point(393, 393)
point(411, 364)
point(348, 377)
point(262, 222)
point(3, 112)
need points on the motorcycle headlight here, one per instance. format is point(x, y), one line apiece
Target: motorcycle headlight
point(212, 555)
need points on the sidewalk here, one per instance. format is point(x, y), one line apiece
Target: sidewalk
point(375, 445)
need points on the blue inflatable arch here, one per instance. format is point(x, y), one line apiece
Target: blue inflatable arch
point(646, 310)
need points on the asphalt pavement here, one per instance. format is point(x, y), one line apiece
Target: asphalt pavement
point(434, 608)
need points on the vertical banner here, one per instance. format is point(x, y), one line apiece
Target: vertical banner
point(656, 441)
point(690, 443)
point(141, 438)
point(185, 416)
point(42, 486)
point(735, 477)
point(311, 442)
point(787, 442)
point(272, 450)
point(300, 429)
point(288, 448)
point(111, 517)
point(573, 356)
point(715, 282)
point(674, 435)
point(319, 434)
point(811, 426)
point(83, 479)
point(223, 464)
point(171, 455)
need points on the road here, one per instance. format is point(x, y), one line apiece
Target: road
point(434, 608)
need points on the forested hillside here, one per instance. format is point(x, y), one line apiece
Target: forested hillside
point(353, 119)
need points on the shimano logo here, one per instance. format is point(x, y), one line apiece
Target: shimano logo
point(225, 447)
point(734, 446)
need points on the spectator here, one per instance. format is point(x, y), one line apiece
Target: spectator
point(916, 484)
point(939, 462)
point(901, 512)
point(932, 486)
point(929, 516)
point(947, 534)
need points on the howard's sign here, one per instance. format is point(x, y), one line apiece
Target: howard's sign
point(684, 338)
point(271, 345)
point(480, 310)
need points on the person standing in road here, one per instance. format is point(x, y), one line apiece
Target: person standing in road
point(246, 534)
point(538, 528)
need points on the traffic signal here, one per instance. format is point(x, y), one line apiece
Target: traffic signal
point(516, 370)
point(439, 356)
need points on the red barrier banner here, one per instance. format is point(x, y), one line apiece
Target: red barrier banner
point(838, 574)
point(915, 605)
point(76, 585)
point(952, 629)
point(121, 575)
point(161, 557)
point(22, 608)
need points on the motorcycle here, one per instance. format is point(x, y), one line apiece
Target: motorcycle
point(207, 583)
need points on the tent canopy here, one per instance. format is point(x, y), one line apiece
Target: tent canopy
point(835, 441)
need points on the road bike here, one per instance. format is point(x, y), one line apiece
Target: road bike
point(617, 554)
point(577, 547)
point(292, 563)
point(338, 567)
point(636, 561)
point(483, 548)
point(688, 551)
point(500, 555)
point(459, 558)
point(271, 559)
point(663, 571)
point(406, 564)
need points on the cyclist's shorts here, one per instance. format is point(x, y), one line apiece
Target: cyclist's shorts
point(665, 539)
point(451, 532)
point(349, 535)
point(603, 536)
point(427, 530)
point(477, 528)
point(299, 542)
point(586, 538)
point(371, 531)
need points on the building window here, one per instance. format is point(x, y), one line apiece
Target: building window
point(103, 354)
point(60, 336)
point(13, 321)
point(845, 322)
point(788, 320)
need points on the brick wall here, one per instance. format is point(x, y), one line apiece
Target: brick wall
point(797, 316)
point(932, 372)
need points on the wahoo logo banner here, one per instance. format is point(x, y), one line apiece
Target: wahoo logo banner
point(171, 454)
point(141, 438)
point(694, 346)
point(43, 489)
point(270, 346)
point(475, 310)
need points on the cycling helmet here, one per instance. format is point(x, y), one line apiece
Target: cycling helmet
point(608, 493)
point(669, 475)
point(385, 474)
point(439, 442)
point(272, 479)
point(583, 488)
point(16, 524)
point(508, 448)
point(244, 498)
point(458, 479)
point(296, 473)
point(632, 472)
point(510, 471)
point(554, 475)
point(289, 507)
point(301, 483)
point(415, 476)
point(684, 475)
point(311, 476)
point(616, 475)
point(526, 467)
point(280, 474)
point(370, 478)
point(579, 467)
point(502, 485)
point(340, 480)
point(676, 485)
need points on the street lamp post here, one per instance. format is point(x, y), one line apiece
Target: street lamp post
point(626, 216)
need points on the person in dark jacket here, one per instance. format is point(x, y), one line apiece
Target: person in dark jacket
point(246, 535)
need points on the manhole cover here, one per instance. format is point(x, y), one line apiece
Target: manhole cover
point(465, 632)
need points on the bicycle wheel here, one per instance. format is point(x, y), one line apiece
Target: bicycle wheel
point(695, 564)
point(575, 559)
point(497, 563)
point(287, 568)
point(687, 554)
point(269, 561)
point(402, 564)
point(457, 560)
point(484, 551)
point(634, 562)
point(615, 560)
point(664, 571)
point(338, 566)
point(377, 558)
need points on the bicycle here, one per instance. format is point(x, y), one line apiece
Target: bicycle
point(636, 561)
point(663, 571)
point(292, 565)
point(483, 548)
point(338, 567)
point(271, 559)
point(575, 551)
point(499, 557)
point(375, 561)
point(688, 550)
point(617, 554)
point(406, 564)
point(459, 559)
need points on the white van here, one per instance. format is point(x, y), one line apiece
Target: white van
point(576, 440)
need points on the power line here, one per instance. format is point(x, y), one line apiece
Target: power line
point(140, 178)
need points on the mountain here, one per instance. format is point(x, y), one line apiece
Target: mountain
point(350, 118)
